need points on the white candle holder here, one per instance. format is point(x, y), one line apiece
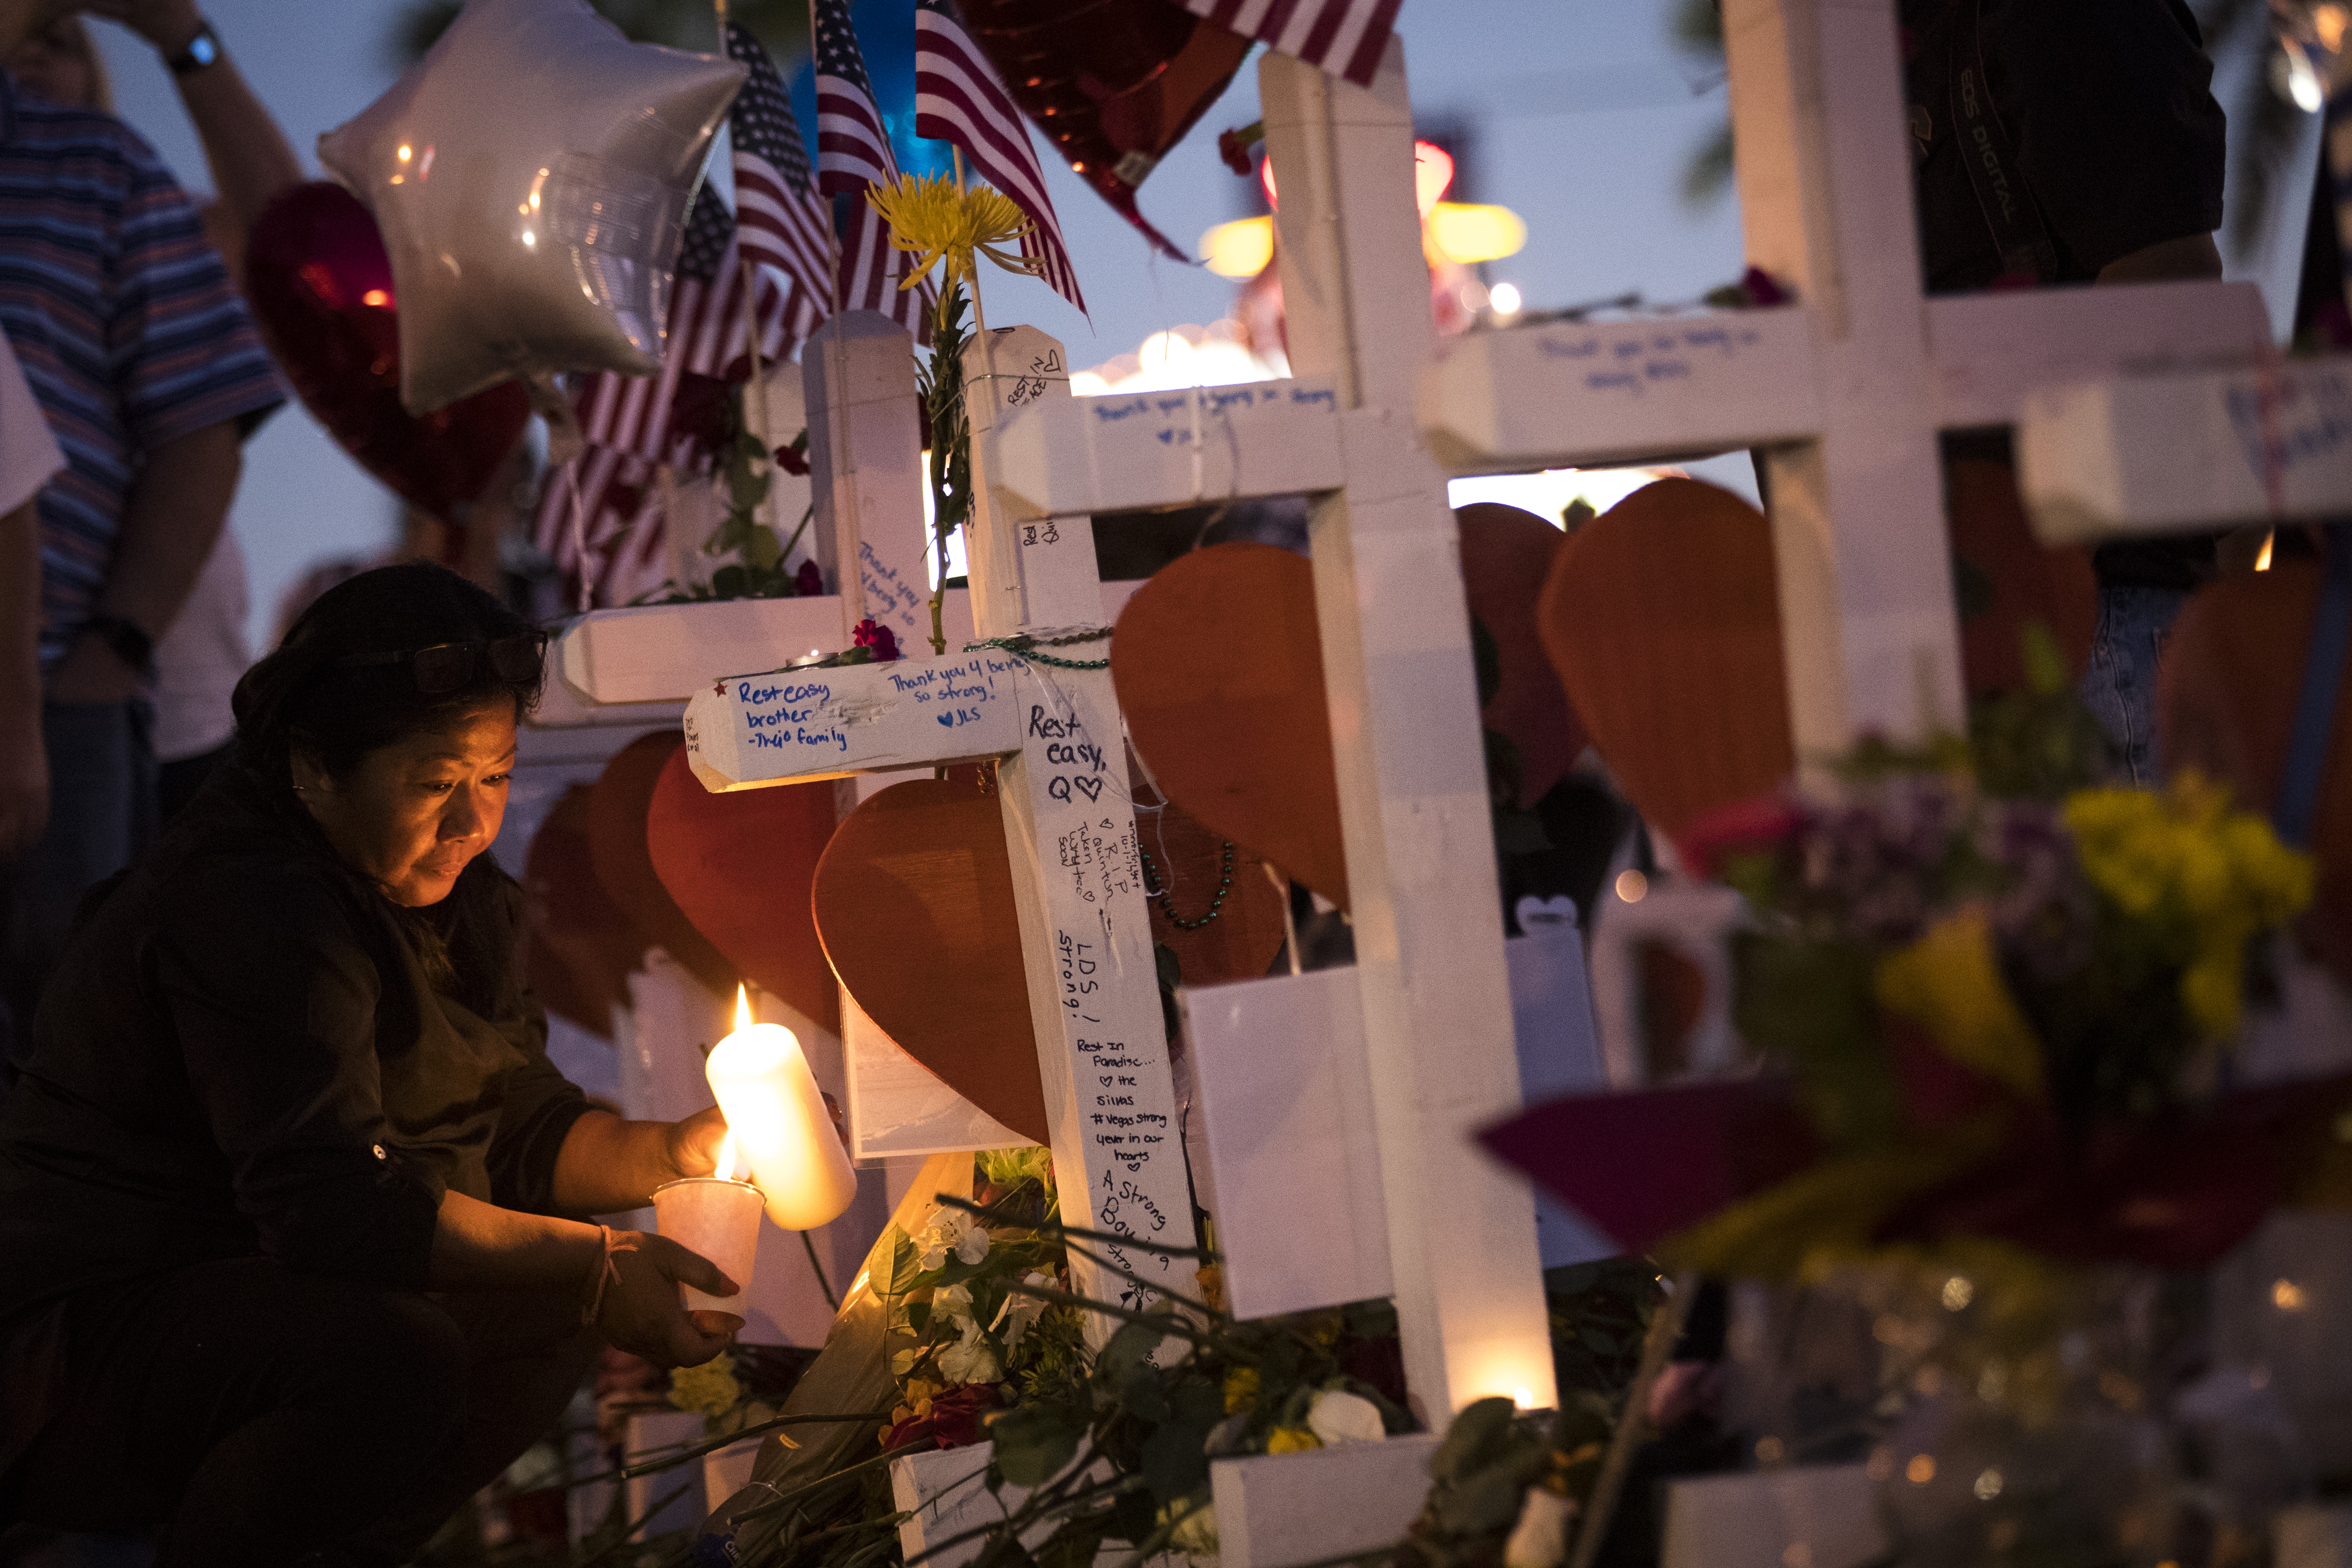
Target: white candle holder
point(719, 1219)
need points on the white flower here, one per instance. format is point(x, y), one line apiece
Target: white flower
point(1020, 1314)
point(1540, 1539)
point(1195, 1534)
point(1337, 1417)
point(950, 1231)
point(971, 1359)
point(952, 1301)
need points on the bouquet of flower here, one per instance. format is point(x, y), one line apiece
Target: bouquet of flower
point(1991, 1001)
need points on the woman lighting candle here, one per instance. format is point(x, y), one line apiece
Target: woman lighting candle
point(294, 1205)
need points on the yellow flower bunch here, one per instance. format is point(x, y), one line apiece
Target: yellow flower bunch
point(1241, 1390)
point(712, 1388)
point(2203, 878)
point(1291, 1440)
point(929, 217)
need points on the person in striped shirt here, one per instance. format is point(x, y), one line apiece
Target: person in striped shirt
point(149, 373)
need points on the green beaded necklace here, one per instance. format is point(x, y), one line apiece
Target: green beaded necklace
point(1168, 904)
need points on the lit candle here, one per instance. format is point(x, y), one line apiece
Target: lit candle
point(777, 1118)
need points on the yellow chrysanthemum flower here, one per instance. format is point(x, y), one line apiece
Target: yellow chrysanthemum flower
point(1241, 1389)
point(929, 217)
point(710, 1388)
point(1291, 1440)
point(2204, 881)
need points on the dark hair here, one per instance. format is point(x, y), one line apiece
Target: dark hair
point(310, 695)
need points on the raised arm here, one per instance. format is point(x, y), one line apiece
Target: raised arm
point(251, 162)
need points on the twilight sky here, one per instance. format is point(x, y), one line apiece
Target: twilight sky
point(1582, 115)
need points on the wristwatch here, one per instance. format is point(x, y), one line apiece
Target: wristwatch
point(129, 641)
point(202, 50)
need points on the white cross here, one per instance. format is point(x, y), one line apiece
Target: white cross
point(2189, 450)
point(1846, 389)
point(1069, 821)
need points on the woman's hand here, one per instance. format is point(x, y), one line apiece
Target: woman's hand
point(691, 1146)
point(641, 1312)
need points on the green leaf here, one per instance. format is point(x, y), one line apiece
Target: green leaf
point(728, 537)
point(762, 550)
point(1170, 969)
point(2045, 665)
point(1477, 1433)
point(1128, 1351)
point(745, 488)
point(1077, 1542)
point(906, 1267)
point(1034, 1441)
point(730, 583)
point(1175, 1460)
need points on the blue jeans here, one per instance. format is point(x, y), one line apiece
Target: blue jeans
point(2125, 656)
point(101, 815)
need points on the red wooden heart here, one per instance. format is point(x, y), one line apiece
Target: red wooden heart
point(581, 946)
point(1188, 862)
point(1219, 667)
point(740, 866)
point(617, 809)
point(914, 904)
point(1506, 554)
point(1664, 620)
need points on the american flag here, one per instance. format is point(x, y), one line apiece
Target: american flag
point(628, 424)
point(1344, 36)
point(853, 152)
point(958, 98)
point(780, 218)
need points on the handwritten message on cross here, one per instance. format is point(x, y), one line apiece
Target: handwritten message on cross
point(1050, 721)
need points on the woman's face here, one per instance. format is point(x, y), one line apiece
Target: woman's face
point(51, 66)
point(412, 814)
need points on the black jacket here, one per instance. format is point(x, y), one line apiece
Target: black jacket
point(243, 1053)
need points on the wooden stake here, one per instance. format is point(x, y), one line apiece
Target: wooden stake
point(759, 375)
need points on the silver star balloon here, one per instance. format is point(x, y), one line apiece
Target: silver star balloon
point(532, 175)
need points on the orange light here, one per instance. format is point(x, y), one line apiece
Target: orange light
point(742, 1007)
point(1432, 173)
point(377, 298)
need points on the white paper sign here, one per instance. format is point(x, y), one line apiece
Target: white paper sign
point(793, 724)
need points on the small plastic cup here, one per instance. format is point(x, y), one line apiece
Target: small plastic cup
point(720, 1220)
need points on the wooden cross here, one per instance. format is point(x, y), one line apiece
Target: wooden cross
point(1845, 390)
point(1052, 724)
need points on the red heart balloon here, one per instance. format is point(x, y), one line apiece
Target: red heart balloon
point(1113, 83)
point(739, 865)
point(321, 288)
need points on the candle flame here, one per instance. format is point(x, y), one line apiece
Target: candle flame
point(742, 1007)
point(726, 1170)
